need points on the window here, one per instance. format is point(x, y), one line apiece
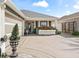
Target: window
point(43, 23)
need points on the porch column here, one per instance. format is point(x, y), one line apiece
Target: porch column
point(32, 27)
point(34, 24)
point(38, 23)
point(23, 27)
point(2, 20)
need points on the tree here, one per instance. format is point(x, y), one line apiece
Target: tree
point(15, 33)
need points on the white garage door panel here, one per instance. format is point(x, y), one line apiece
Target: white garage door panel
point(13, 21)
point(8, 28)
point(9, 24)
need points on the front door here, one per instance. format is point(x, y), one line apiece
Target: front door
point(31, 27)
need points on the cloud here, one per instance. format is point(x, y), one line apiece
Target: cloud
point(42, 3)
point(76, 6)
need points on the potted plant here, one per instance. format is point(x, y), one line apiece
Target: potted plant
point(4, 39)
point(2, 43)
point(14, 39)
point(3, 55)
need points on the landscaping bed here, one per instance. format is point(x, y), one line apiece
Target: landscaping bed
point(46, 31)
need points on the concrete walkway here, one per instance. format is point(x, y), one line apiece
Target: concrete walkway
point(48, 47)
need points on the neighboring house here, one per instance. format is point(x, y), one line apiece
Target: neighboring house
point(36, 20)
point(69, 23)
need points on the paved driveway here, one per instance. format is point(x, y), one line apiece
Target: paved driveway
point(48, 46)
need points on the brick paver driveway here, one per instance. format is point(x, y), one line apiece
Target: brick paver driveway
point(48, 46)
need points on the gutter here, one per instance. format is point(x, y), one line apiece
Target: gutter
point(13, 7)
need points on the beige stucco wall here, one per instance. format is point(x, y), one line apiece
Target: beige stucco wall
point(78, 24)
point(53, 24)
point(58, 25)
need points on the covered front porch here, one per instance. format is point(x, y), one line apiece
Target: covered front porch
point(37, 23)
point(32, 27)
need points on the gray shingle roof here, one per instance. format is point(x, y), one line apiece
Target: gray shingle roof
point(33, 14)
point(70, 16)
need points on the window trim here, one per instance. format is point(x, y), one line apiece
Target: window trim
point(43, 22)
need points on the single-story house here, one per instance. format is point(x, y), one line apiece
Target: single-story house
point(69, 23)
point(10, 15)
point(37, 21)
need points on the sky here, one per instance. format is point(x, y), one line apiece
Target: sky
point(57, 8)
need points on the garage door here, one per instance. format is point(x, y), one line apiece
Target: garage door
point(10, 23)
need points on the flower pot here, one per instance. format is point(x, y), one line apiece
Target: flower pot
point(14, 45)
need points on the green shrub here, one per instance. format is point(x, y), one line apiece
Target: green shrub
point(3, 55)
point(15, 33)
point(58, 32)
point(75, 33)
point(34, 30)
